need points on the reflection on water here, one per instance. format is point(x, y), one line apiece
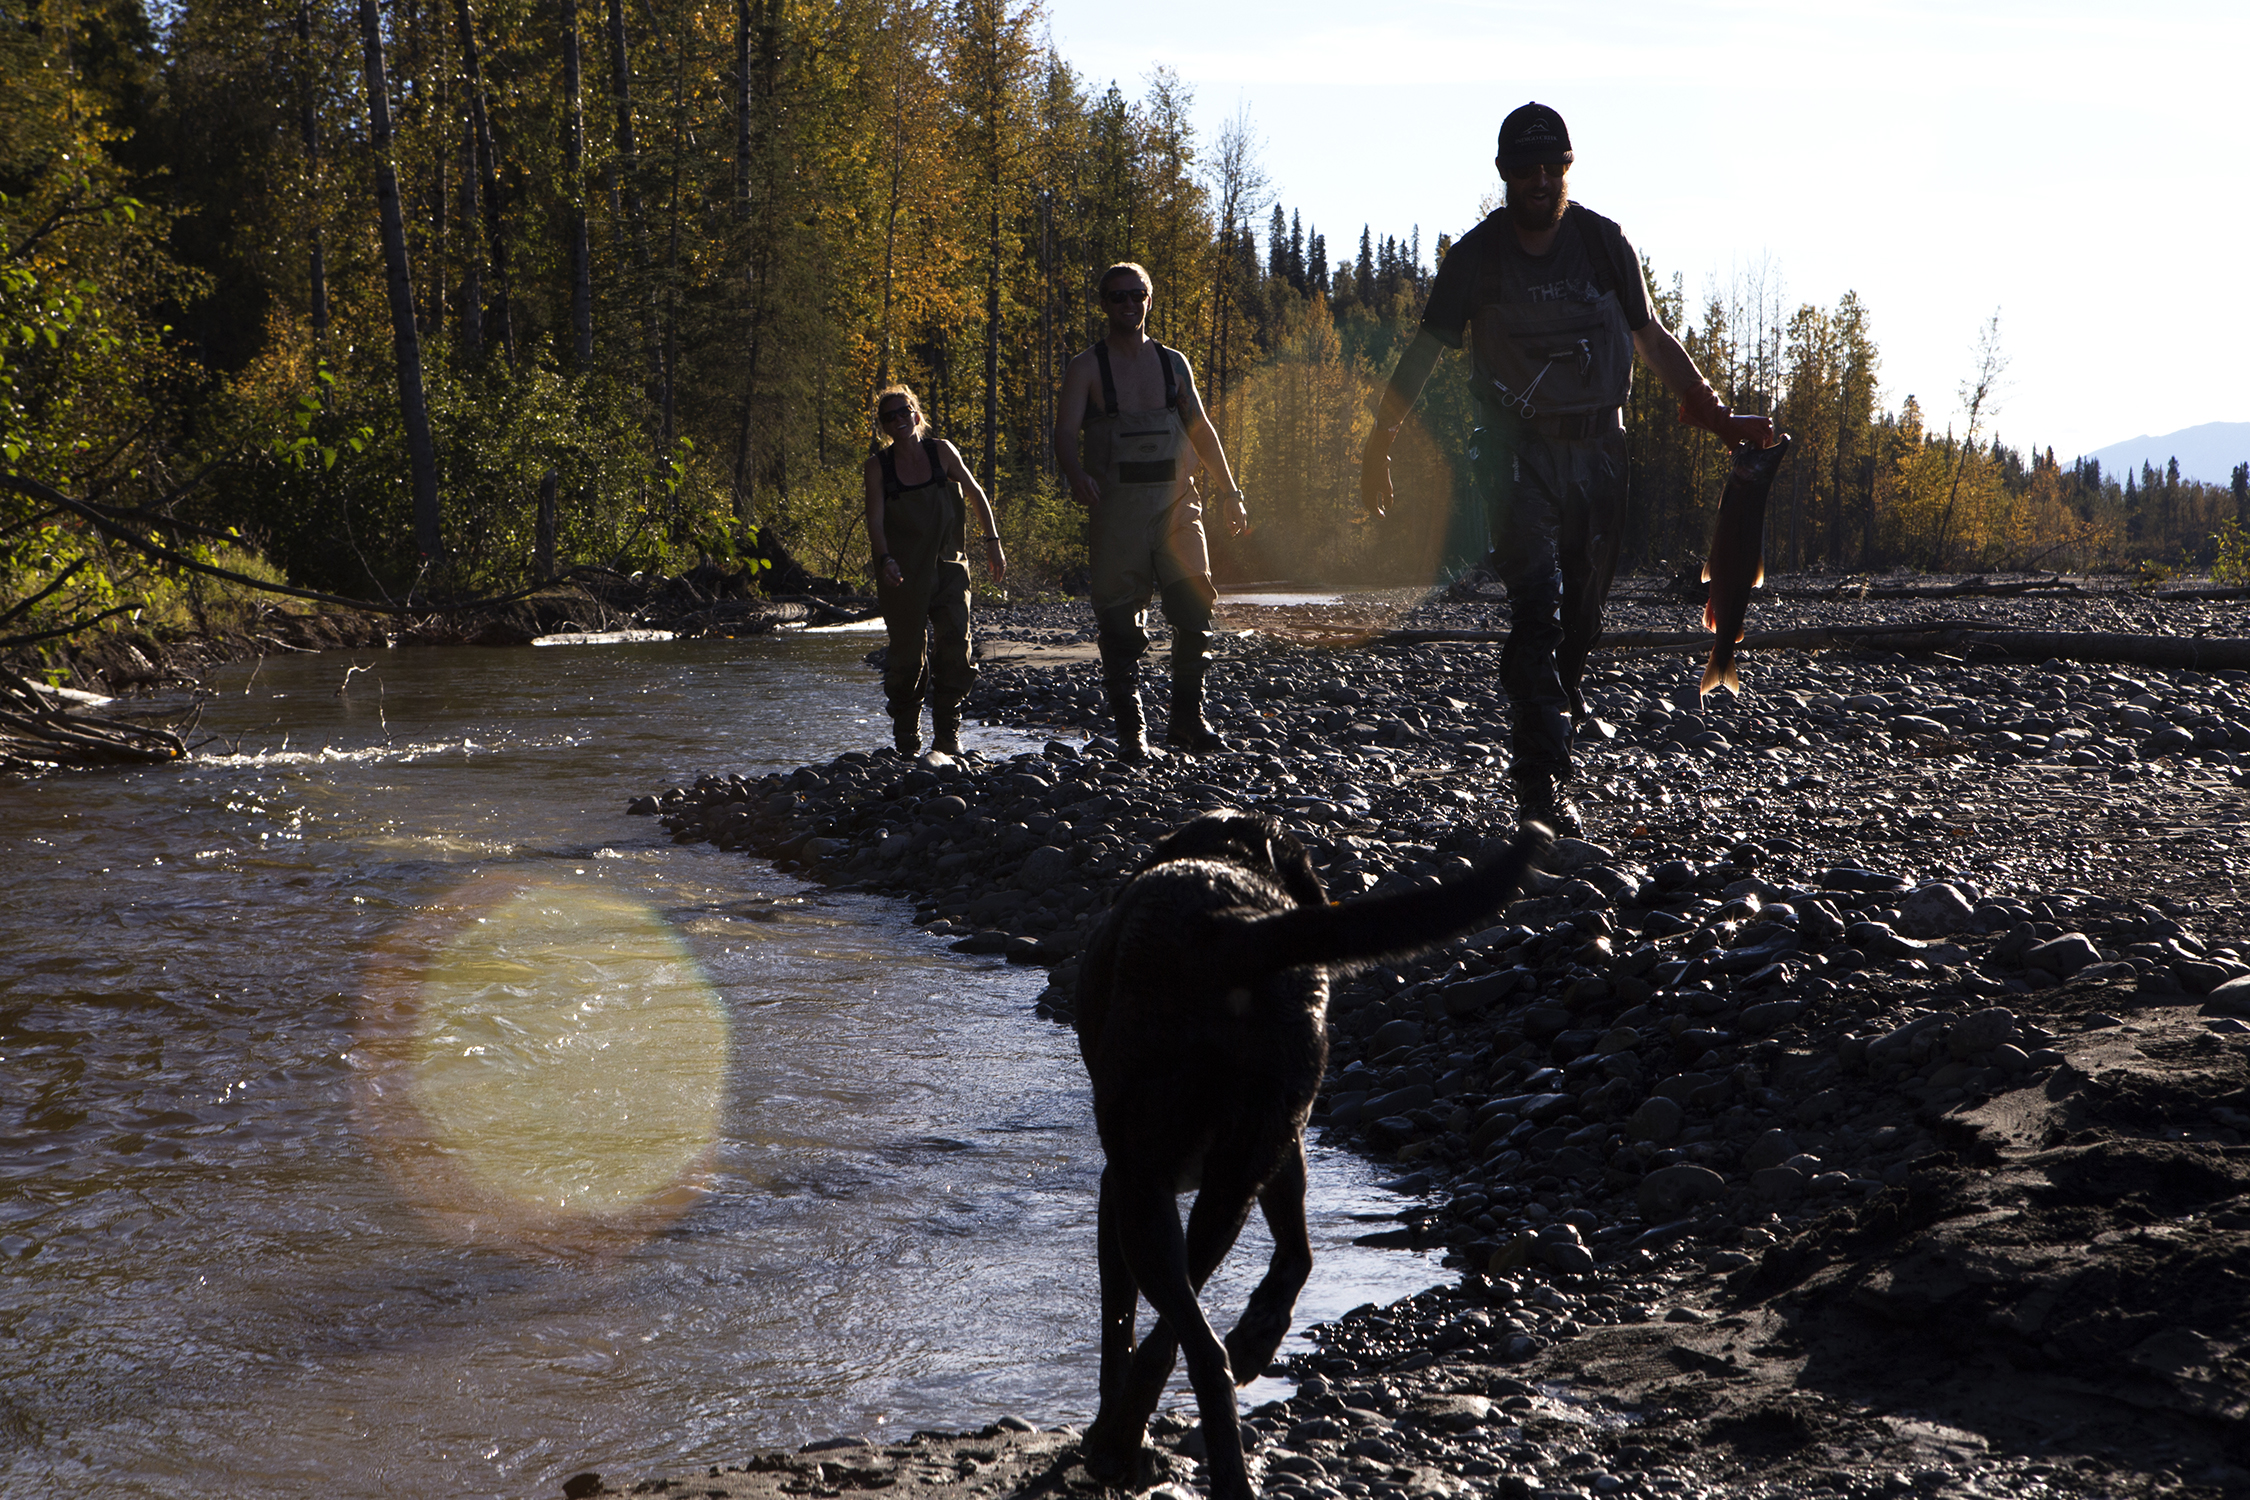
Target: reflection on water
point(1276, 600)
point(381, 1109)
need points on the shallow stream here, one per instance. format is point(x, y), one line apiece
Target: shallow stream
point(381, 1110)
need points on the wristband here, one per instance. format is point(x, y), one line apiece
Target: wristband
point(882, 558)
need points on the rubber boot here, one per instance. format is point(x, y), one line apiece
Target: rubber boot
point(1124, 690)
point(945, 729)
point(906, 732)
point(1122, 642)
point(1539, 799)
point(1186, 729)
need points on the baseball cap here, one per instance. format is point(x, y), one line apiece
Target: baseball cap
point(1533, 133)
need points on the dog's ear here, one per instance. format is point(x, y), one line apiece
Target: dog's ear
point(1293, 867)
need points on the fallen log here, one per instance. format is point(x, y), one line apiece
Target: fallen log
point(2196, 653)
point(38, 732)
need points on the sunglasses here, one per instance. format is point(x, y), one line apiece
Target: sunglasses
point(890, 414)
point(1133, 296)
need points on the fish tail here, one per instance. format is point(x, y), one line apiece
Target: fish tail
point(1719, 672)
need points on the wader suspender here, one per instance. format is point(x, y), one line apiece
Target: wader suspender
point(892, 489)
point(1164, 358)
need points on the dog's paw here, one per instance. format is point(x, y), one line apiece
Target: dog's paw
point(1108, 1460)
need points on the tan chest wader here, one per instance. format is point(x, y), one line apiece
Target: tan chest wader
point(927, 615)
point(1147, 538)
point(1549, 457)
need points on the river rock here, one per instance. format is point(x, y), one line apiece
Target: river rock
point(1935, 910)
point(1658, 1121)
point(1667, 1190)
point(1043, 867)
point(2063, 956)
point(1769, 1150)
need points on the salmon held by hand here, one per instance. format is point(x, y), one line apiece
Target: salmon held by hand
point(1737, 564)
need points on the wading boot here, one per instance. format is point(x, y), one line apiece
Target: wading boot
point(906, 732)
point(1124, 689)
point(1540, 800)
point(1186, 729)
point(945, 730)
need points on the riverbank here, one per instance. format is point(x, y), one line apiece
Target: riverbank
point(1859, 1109)
point(706, 601)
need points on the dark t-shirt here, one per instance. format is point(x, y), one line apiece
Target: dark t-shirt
point(1488, 265)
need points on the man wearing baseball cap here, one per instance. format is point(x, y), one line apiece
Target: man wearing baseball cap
point(1554, 304)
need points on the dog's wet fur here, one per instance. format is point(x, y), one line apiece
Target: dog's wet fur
point(1202, 1005)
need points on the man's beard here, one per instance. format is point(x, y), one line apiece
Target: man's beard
point(1533, 217)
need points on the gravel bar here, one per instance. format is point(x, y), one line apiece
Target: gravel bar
point(1858, 1110)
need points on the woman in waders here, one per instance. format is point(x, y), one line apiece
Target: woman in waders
point(915, 485)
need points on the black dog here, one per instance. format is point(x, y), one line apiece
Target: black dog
point(1201, 1016)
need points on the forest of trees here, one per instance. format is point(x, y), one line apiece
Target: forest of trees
point(406, 296)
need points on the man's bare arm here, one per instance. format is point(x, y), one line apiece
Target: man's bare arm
point(1699, 404)
point(1070, 416)
point(1213, 452)
point(1399, 396)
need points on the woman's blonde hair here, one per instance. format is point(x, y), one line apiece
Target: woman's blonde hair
point(914, 402)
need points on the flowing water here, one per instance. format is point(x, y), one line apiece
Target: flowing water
point(383, 1111)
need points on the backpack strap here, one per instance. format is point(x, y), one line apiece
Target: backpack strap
point(1164, 358)
point(892, 487)
point(1604, 246)
point(1109, 378)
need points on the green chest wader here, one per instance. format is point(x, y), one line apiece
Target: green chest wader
point(927, 615)
point(1147, 530)
point(1147, 539)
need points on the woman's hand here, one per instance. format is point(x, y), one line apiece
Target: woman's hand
point(888, 570)
point(995, 558)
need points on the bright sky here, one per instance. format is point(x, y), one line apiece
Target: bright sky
point(2082, 167)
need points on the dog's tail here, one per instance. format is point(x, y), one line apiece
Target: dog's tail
point(1367, 928)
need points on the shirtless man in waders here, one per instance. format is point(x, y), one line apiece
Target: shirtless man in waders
point(1146, 433)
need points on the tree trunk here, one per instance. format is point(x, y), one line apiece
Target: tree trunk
point(628, 178)
point(581, 248)
point(440, 192)
point(543, 544)
point(406, 343)
point(308, 127)
point(992, 342)
point(485, 161)
point(741, 109)
point(471, 313)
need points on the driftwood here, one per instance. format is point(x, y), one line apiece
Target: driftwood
point(2195, 652)
point(36, 731)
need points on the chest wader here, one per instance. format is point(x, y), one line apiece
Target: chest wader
point(1148, 539)
point(1549, 458)
point(926, 618)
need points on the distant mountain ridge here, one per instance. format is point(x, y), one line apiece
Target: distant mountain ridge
point(2208, 452)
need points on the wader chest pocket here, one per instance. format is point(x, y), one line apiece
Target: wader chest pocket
point(1555, 358)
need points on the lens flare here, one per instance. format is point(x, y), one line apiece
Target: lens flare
point(542, 1060)
point(1295, 430)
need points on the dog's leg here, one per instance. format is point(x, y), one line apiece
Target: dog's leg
point(1120, 1297)
point(1265, 1317)
point(1158, 1254)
